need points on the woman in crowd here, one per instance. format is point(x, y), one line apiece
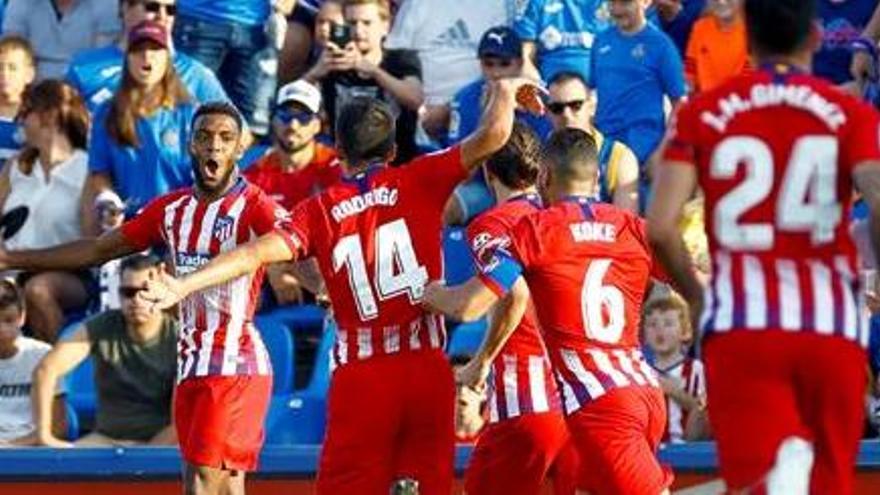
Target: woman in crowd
point(40, 194)
point(139, 141)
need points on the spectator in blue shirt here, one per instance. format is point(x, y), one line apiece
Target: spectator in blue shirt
point(96, 73)
point(239, 40)
point(138, 141)
point(558, 35)
point(634, 65)
point(842, 23)
point(677, 18)
point(17, 70)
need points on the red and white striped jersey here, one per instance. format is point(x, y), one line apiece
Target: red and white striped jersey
point(377, 237)
point(587, 265)
point(522, 380)
point(689, 373)
point(217, 335)
point(778, 198)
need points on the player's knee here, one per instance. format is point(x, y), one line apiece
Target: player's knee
point(790, 474)
point(203, 480)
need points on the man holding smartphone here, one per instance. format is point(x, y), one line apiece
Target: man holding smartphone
point(355, 64)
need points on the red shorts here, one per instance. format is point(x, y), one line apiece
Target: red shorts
point(219, 420)
point(514, 456)
point(767, 386)
point(389, 417)
point(616, 437)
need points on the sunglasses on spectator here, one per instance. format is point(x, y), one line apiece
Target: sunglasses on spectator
point(155, 7)
point(499, 63)
point(557, 107)
point(128, 292)
point(287, 115)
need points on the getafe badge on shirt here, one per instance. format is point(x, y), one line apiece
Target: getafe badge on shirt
point(223, 228)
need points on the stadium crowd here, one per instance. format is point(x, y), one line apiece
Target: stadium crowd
point(97, 99)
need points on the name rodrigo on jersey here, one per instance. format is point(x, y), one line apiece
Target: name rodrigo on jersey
point(381, 196)
point(766, 95)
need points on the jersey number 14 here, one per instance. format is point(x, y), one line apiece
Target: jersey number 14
point(397, 269)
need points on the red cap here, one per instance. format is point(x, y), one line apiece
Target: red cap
point(149, 31)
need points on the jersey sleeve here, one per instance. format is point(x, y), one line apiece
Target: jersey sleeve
point(266, 215)
point(145, 229)
point(484, 234)
point(296, 229)
point(681, 139)
point(862, 142)
point(436, 175)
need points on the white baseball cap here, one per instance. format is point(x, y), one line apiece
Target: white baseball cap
point(302, 92)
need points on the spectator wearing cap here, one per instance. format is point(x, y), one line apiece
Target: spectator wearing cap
point(364, 68)
point(40, 197)
point(634, 67)
point(139, 138)
point(295, 167)
point(571, 104)
point(558, 35)
point(58, 29)
point(239, 40)
point(500, 55)
point(134, 350)
point(96, 73)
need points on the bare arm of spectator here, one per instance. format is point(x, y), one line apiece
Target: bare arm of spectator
point(626, 192)
point(15, 17)
point(62, 359)
point(530, 60)
point(435, 119)
point(96, 183)
point(861, 64)
point(5, 186)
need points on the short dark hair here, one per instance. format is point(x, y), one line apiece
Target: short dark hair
point(778, 27)
point(517, 164)
point(10, 295)
point(365, 131)
point(14, 42)
point(572, 154)
point(219, 108)
point(139, 262)
point(567, 75)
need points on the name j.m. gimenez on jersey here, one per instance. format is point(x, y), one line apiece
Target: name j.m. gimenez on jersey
point(381, 196)
point(767, 95)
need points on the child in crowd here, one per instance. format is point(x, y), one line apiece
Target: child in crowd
point(668, 333)
point(17, 69)
point(717, 49)
point(19, 357)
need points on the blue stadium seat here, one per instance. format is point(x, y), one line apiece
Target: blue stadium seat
point(298, 418)
point(466, 338)
point(80, 382)
point(300, 317)
point(457, 264)
point(320, 380)
point(72, 422)
point(279, 343)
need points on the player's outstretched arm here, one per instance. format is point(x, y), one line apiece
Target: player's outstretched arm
point(673, 186)
point(504, 320)
point(466, 302)
point(270, 248)
point(496, 123)
point(70, 256)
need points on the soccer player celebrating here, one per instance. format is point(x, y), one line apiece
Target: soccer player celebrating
point(224, 373)
point(526, 433)
point(777, 153)
point(588, 266)
point(376, 237)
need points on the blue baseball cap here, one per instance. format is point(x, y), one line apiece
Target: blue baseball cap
point(500, 41)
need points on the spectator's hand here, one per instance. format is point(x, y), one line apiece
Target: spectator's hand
point(861, 66)
point(324, 65)
point(163, 292)
point(344, 60)
point(284, 6)
point(364, 67)
point(668, 9)
point(473, 374)
point(285, 285)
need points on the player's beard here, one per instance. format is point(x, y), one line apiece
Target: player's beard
point(221, 185)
